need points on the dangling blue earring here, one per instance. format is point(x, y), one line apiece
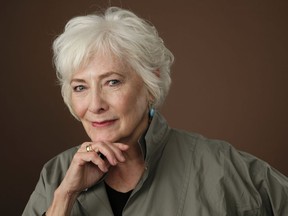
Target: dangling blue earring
point(151, 112)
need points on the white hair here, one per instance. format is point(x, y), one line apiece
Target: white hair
point(118, 32)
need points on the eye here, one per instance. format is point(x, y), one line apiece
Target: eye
point(78, 88)
point(113, 82)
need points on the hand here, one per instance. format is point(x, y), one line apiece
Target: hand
point(87, 168)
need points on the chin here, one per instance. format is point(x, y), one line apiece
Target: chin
point(107, 138)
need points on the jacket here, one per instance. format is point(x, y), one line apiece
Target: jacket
point(186, 175)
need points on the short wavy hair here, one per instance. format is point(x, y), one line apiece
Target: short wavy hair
point(118, 32)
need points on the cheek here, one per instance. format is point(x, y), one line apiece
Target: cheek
point(78, 107)
point(136, 103)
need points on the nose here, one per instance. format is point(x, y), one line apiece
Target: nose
point(97, 103)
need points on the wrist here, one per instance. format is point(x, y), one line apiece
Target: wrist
point(63, 202)
point(66, 194)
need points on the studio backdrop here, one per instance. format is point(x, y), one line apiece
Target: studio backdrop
point(229, 80)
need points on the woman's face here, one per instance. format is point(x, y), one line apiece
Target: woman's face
point(110, 100)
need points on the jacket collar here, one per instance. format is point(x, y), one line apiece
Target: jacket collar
point(153, 141)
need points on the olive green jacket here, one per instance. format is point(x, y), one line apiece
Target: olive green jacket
point(186, 175)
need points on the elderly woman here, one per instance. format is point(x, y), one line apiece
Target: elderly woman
point(115, 71)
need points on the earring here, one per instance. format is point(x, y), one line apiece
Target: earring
point(151, 110)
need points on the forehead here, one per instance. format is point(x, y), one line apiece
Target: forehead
point(102, 64)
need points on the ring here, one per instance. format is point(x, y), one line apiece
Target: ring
point(89, 148)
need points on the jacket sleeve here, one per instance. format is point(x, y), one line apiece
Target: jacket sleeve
point(271, 185)
point(51, 176)
point(38, 202)
point(275, 185)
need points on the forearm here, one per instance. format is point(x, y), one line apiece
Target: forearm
point(62, 204)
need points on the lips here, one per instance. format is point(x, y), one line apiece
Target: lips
point(105, 123)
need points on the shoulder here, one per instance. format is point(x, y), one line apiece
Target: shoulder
point(198, 143)
point(214, 154)
point(232, 172)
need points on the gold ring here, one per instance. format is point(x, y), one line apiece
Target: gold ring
point(89, 148)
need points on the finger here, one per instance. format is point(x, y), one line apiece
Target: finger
point(113, 151)
point(121, 146)
point(107, 150)
point(85, 147)
point(83, 158)
point(119, 149)
point(99, 150)
point(103, 165)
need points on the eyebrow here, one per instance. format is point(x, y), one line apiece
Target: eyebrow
point(102, 76)
point(109, 74)
point(77, 80)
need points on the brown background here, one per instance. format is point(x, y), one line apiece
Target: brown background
point(229, 80)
